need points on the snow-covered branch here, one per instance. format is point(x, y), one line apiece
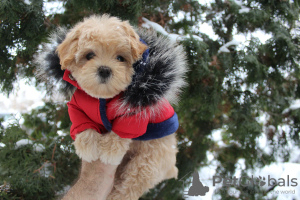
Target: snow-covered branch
point(224, 48)
point(243, 9)
point(172, 36)
point(36, 147)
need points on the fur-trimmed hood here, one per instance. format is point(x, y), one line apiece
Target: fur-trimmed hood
point(159, 75)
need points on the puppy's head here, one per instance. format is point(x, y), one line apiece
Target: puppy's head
point(100, 52)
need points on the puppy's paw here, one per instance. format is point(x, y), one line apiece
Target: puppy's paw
point(87, 145)
point(113, 148)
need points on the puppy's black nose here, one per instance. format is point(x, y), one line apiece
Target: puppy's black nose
point(104, 72)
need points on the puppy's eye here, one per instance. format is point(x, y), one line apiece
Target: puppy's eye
point(90, 55)
point(120, 58)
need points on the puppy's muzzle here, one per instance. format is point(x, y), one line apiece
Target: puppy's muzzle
point(104, 73)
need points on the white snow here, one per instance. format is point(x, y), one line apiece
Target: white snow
point(239, 2)
point(224, 48)
point(61, 133)
point(36, 147)
point(243, 9)
point(24, 98)
point(172, 36)
point(261, 35)
point(271, 128)
point(206, 2)
point(53, 7)
point(154, 25)
point(28, 2)
point(207, 29)
point(216, 136)
point(262, 143)
point(23, 142)
point(294, 106)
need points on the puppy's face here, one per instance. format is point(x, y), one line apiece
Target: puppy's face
point(100, 52)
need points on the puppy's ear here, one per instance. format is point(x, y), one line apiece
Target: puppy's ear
point(137, 47)
point(67, 49)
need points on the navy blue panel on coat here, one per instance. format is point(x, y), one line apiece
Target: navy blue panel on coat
point(103, 115)
point(159, 130)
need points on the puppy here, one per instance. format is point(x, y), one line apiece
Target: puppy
point(124, 82)
point(98, 53)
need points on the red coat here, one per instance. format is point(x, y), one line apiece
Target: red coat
point(101, 115)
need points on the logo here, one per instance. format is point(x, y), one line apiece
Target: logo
point(197, 188)
point(252, 181)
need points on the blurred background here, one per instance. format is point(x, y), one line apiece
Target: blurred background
point(239, 115)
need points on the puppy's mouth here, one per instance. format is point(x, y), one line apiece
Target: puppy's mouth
point(104, 74)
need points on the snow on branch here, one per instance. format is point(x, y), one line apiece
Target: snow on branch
point(294, 106)
point(224, 48)
point(36, 147)
point(172, 36)
point(243, 9)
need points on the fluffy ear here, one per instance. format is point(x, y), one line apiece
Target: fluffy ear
point(67, 49)
point(137, 47)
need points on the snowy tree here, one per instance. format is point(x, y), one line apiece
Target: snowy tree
point(242, 89)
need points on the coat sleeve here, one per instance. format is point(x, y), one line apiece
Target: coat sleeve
point(131, 126)
point(80, 121)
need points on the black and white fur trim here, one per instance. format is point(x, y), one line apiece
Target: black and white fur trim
point(48, 68)
point(160, 77)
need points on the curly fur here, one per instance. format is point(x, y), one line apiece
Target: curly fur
point(90, 145)
point(146, 164)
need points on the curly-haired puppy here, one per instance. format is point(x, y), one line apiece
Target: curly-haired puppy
point(120, 110)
